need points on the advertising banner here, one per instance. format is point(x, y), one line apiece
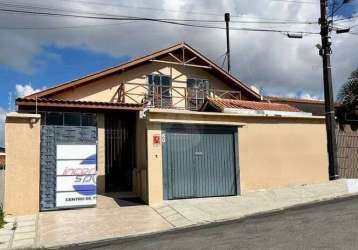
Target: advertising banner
point(76, 175)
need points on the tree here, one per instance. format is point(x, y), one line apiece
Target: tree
point(348, 93)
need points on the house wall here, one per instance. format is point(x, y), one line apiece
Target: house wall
point(22, 175)
point(140, 171)
point(273, 151)
point(101, 154)
point(106, 89)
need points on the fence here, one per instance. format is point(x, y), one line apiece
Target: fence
point(171, 96)
point(347, 151)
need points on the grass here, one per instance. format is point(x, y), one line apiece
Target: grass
point(1, 218)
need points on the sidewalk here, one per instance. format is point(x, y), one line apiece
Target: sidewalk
point(113, 219)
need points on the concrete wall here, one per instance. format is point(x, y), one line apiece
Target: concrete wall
point(273, 151)
point(101, 154)
point(105, 89)
point(22, 176)
point(140, 171)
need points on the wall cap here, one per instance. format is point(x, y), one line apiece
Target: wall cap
point(22, 115)
point(188, 112)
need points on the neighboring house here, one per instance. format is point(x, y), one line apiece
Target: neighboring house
point(169, 125)
point(316, 107)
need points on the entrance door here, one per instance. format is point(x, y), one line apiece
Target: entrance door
point(199, 162)
point(120, 161)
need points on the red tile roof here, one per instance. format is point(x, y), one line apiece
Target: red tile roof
point(77, 104)
point(221, 104)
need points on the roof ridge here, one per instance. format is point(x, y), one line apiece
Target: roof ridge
point(138, 61)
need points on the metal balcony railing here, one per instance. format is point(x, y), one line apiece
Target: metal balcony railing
point(170, 97)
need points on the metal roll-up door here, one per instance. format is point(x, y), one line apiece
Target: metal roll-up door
point(199, 161)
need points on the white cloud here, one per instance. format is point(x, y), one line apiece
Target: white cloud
point(270, 61)
point(25, 90)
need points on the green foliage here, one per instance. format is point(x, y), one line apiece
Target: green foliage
point(348, 93)
point(1, 218)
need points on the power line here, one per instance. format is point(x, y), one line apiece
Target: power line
point(168, 19)
point(169, 10)
point(143, 19)
point(65, 27)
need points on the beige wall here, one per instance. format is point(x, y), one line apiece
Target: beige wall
point(273, 151)
point(101, 154)
point(155, 172)
point(106, 88)
point(140, 171)
point(22, 175)
point(276, 154)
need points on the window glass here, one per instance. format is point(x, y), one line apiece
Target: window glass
point(72, 119)
point(88, 120)
point(54, 118)
point(190, 83)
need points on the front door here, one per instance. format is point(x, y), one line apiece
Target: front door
point(120, 141)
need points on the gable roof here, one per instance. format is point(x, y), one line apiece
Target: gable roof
point(221, 104)
point(89, 78)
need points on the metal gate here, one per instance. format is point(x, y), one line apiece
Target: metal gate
point(50, 137)
point(199, 161)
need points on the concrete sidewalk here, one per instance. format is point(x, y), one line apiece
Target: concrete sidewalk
point(190, 212)
point(113, 219)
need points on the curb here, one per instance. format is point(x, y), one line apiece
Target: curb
point(263, 214)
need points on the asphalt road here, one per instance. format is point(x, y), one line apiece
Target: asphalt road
point(326, 226)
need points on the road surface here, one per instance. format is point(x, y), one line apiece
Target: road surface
point(325, 226)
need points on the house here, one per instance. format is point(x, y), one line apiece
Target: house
point(316, 107)
point(169, 125)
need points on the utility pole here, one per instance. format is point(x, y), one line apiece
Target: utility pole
point(325, 53)
point(227, 20)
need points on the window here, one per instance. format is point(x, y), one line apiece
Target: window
point(54, 118)
point(72, 119)
point(88, 120)
point(197, 91)
point(160, 90)
point(68, 119)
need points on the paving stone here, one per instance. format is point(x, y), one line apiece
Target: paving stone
point(26, 229)
point(25, 223)
point(5, 237)
point(4, 231)
point(9, 218)
point(23, 243)
point(23, 236)
point(26, 218)
point(9, 226)
point(4, 245)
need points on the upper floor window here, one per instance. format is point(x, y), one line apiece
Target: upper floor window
point(197, 83)
point(160, 93)
point(197, 92)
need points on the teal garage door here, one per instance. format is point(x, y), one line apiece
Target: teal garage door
point(199, 161)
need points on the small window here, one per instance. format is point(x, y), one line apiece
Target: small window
point(72, 119)
point(54, 118)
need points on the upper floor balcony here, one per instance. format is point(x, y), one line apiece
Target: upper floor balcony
point(164, 96)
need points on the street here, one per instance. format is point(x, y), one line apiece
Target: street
point(326, 226)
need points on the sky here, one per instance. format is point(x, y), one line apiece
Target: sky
point(37, 52)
